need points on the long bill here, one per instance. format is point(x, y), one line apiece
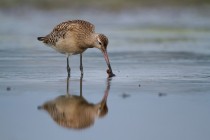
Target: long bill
point(111, 74)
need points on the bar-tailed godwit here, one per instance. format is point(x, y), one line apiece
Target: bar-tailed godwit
point(74, 37)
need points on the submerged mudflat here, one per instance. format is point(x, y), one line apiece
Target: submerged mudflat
point(160, 57)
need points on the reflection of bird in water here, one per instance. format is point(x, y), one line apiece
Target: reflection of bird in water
point(74, 37)
point(73, 111)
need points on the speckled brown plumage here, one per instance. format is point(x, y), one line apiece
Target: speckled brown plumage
point(103, 39)
point(74, 37)
point(80, 28)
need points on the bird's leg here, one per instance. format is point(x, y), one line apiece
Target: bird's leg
point(68, 68)
point(81, 67)
point(67, 86)
point(81, 85)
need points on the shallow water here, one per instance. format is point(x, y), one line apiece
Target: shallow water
point(161, 58)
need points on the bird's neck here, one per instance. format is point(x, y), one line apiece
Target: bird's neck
point(92, 41)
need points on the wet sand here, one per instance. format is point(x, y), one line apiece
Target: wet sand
point(161, 88)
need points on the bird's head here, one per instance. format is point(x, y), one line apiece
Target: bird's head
point(102, 43)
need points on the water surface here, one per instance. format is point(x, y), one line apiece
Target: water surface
point(160, 57)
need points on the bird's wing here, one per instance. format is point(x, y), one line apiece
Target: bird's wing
point(72, 24)
point(69, 26)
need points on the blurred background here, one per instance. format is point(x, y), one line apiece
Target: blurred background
point(159, 50)
point(108, 4)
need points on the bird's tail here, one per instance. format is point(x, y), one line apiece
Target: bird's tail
point(41, 38)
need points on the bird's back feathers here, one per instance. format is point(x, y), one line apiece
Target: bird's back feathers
point(77, 27)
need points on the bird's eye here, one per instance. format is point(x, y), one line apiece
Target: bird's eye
point(100, 43)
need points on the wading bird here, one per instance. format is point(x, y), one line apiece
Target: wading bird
point(74, 37)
